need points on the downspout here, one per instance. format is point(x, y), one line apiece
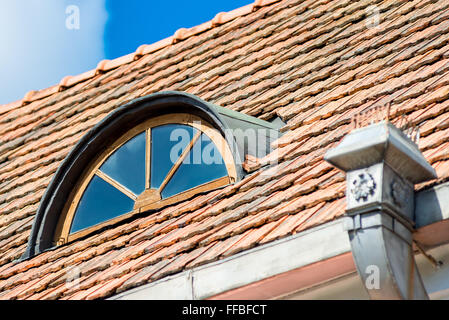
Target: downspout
point(382, 165)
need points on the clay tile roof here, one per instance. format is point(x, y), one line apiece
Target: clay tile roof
point(314, 63)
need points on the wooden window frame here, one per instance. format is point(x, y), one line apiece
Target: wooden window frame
point(62, 233)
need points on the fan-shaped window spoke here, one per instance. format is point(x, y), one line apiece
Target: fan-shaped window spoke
point(100, 202)
point(167, 144)
point(202, 164)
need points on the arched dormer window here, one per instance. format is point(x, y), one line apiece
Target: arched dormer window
point(150, 153)
point(163, 160)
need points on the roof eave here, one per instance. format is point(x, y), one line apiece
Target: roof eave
point(263, 272)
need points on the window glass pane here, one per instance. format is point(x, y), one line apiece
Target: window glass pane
point(203, 164)
point(167, 143)
point(127, 164)
point(100, 202)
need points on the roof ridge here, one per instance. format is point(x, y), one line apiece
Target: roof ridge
point(144, 49)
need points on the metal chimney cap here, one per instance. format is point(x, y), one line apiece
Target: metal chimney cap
point(381, 142)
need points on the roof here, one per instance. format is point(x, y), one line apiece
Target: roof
point(313, 63)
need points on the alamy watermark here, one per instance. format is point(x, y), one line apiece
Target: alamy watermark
point(372, 281)
point(372, 19)
point(72, 20)
point(73, 278)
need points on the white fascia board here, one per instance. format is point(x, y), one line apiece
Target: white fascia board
point(293, 252)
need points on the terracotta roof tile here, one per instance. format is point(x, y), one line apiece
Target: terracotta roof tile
point(216, 249)
point(142, 276)
point(314, 63)
point(15, 292)
point(252, 239)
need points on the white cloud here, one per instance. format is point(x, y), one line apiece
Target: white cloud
point(37, 49)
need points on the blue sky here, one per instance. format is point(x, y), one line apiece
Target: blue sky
point(42, 41)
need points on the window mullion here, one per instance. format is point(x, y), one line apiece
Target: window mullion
point(179, 161)
point(116, 184)
point(148, 158)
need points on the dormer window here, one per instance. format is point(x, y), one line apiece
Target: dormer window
point(150, 153)
point(164, 160)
